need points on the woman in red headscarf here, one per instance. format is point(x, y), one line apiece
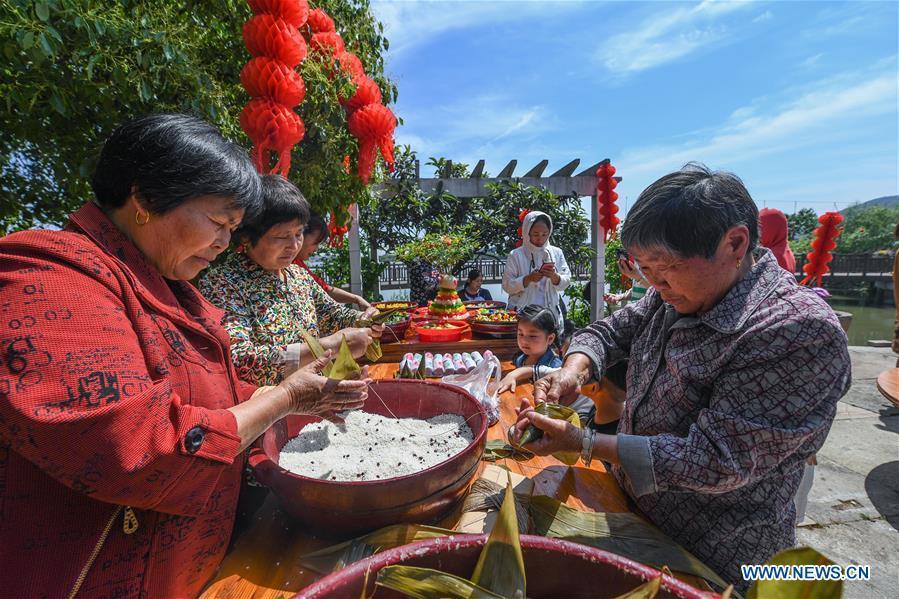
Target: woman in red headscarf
point(775, 235)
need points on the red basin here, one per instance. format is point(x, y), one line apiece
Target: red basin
point(351, 507)
point(554, 569)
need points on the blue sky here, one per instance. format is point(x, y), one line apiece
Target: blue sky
point(798, 98)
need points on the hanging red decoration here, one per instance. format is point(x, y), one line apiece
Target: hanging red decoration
point(337, 230)
point(294, 12)
point(606, 197)
point(367, 92)
point(351, 65)
point(346, 164)
point(274, 128)
point(822, 245)
point(266, 35)
point(319, 21)
point(265, 77)
point(327, 42)
point(521, 216)
point(373, 126)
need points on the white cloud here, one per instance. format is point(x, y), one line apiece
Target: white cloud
point(751, 132)
point(765, 16)
point(668, 36)
point(412, 23)
point(811, 61)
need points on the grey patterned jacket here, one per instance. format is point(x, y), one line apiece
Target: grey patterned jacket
point(723, 409)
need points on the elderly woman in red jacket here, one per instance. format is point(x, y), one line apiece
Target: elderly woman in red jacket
point(122, 420)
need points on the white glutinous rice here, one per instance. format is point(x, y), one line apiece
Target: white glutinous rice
point(373, 447)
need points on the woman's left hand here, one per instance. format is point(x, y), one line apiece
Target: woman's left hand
point(370, 312)
point(558, 435)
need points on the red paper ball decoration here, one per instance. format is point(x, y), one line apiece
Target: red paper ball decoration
point(373, 126)
point(367, 92)
point(319, 21)
point(270, 36)
point(822, 245)
point(265, 77)
point(294, 12)
point(274, 128)
point(606, 197)
point(327, 42)
point(351, 65)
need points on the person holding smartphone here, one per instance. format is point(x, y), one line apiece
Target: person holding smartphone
point(537, 272)
point(629, 268)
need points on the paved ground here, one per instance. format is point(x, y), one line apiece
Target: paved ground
point(853, 509)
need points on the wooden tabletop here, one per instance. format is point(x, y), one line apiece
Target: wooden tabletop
point(264, 562)
point(888, 384)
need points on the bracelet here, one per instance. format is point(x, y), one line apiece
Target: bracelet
point(587, 446)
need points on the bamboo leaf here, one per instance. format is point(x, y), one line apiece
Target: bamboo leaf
point(498, 449)
point(344, 365)
point(427, 583)
point(797, 589)
point(500, 566)
point(622, 533)
point(341, 555)
point(317, 350)
point(373, 352)
point(644, 591)
point(379, 318)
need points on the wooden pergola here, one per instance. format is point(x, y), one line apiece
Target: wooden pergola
point(563, 182)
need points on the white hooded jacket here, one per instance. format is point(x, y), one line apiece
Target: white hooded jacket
point(528, 258)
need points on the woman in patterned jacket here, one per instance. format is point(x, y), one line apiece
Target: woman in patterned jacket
point(733, 377)
point(269, 302)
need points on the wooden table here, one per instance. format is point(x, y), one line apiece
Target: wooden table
point(264, 562)
point(888, 384)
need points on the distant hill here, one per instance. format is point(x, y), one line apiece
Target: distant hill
point(888, 201)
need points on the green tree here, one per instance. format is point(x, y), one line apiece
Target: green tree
point(802, 223)
point(75, 69)
point(868, 229)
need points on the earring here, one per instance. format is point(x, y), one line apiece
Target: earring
point(739, 263)
point(137, 218)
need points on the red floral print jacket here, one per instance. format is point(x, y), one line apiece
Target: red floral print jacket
point(114, 389)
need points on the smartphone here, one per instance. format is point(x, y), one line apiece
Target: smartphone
point(548, 266)
point(622, 254)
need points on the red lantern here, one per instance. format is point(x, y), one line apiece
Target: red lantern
point(319, 21)
point(822, 246)
point(294, 12)
point(265, 77)
point(606, 197)
point(327, 42)
point(336, 229)
point(367, 92)
point(272, 127)
point(351, 65)
point(373, 126)
point(266, 35)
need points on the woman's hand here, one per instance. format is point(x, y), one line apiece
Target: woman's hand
point(533, 277)
point(312, 394)
point(358, 339)
point(377, 330)
point(563, 384)
point(558, 435)
point(370, 312)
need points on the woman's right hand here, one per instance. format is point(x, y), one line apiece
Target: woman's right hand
point(533, 277)
point(312, 394)
point(358, 339)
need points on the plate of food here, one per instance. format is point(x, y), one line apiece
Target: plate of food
point(495, 322)
point(390, 305)
point(395, 327)
point(441, 331)
point(482, 304)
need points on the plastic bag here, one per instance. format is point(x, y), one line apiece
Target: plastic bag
point(476, 382)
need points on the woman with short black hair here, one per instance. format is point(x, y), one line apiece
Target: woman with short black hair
point(733, 376)
point(473, 290)
point(269, 301)
point(123, 424)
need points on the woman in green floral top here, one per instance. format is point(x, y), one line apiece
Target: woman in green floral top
point(268, 302)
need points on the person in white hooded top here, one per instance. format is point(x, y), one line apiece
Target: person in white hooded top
point(536, 272)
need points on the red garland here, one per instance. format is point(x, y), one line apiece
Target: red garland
point(606, 196)
point(273, 38)
point(272, 82)
point(337, 231)
point(822, 246)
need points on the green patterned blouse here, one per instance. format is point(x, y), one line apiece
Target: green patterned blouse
point(265, 314)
